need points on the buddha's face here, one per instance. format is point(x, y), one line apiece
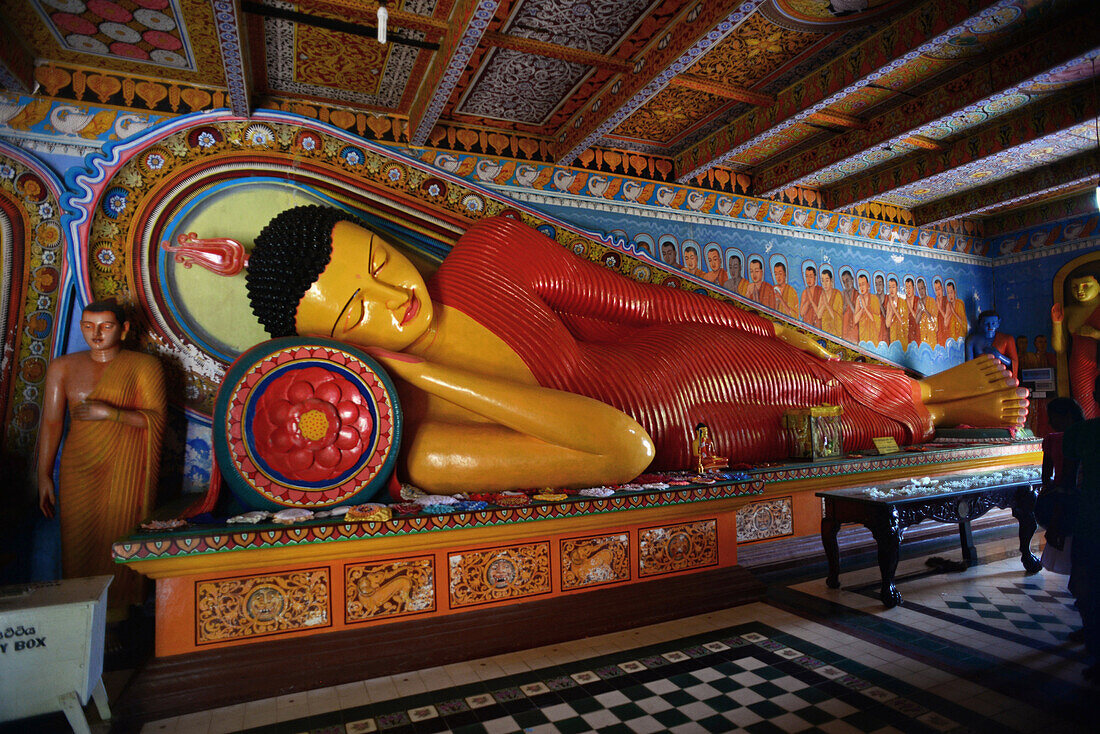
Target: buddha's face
point(691, 260)
point(1084, 289)
point(369, 294)
point(101, 330)
point(714, 260)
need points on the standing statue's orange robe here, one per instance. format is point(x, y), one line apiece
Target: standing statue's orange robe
point(109, 474)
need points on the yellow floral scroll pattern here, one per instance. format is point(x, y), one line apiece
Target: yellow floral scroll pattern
point(388, 589)
point(594, 561)
point(257, 606)
point(672, 548)
point(479, 577)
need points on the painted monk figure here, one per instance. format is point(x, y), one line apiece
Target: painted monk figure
point(519, 364)
point(848, 318)
point(115, 399)
point(1080, 320)
point(866, 317)
point(755, 289)
point(832, 304)
point(691, 262)
point(716, 274)
point(786, 297)
point(811, 300)
point(916, 310)
point(897, 315)
point(955, 314)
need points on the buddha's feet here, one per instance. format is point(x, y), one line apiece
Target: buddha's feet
point(1004, 407)
point(980, 376)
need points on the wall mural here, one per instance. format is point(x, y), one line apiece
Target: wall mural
point(516, 178)
point(33, 272)
point(915, 311)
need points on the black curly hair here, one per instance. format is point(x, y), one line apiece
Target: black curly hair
point(289, 254)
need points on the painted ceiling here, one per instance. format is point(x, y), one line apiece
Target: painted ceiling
point(939, 112)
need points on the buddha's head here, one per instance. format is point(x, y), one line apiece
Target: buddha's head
point(315, 271)
point(989, 322)
point(1084, 289)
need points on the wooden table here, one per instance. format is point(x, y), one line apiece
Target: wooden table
point(888, 517)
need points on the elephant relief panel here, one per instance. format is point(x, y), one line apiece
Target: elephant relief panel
point(478, 577)
point(593, 561)
point(677, 547)
point(235, 609)
point(389, 588)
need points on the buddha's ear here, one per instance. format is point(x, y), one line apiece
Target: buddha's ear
point(125, 330)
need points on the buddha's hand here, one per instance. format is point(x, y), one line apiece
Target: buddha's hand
point(94, 410)
point(1088, 331)
point(46, 501)
point(1057, 313)
point(804, 342)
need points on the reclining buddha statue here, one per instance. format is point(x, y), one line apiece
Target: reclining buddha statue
point(519, 364)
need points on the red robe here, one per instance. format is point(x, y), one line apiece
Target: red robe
point(666, 357)
point(1081, 363)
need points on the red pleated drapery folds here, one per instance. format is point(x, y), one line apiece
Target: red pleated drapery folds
point(666, 357)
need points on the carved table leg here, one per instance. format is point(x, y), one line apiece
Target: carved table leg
point(966, 537)
point(829, 528)
point(887, 532)
point(1023, 509)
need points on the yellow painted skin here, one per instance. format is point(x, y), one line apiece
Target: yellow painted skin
point(475, 416)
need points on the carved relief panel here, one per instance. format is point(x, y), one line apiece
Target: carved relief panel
point(388, 589)
point(478, 577)
point(593, 561)
point(256, 606)
point(665, 549)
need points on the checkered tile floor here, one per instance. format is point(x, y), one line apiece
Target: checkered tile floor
point(1046, 614)
point(749, 678)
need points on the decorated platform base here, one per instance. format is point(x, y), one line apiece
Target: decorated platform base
point(494, 579)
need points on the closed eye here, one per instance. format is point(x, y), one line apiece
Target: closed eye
point(346, 311)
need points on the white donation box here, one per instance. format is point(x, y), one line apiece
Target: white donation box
point(51, 649)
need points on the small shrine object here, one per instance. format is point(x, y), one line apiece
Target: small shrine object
point(815, 433)
point(702, 449)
